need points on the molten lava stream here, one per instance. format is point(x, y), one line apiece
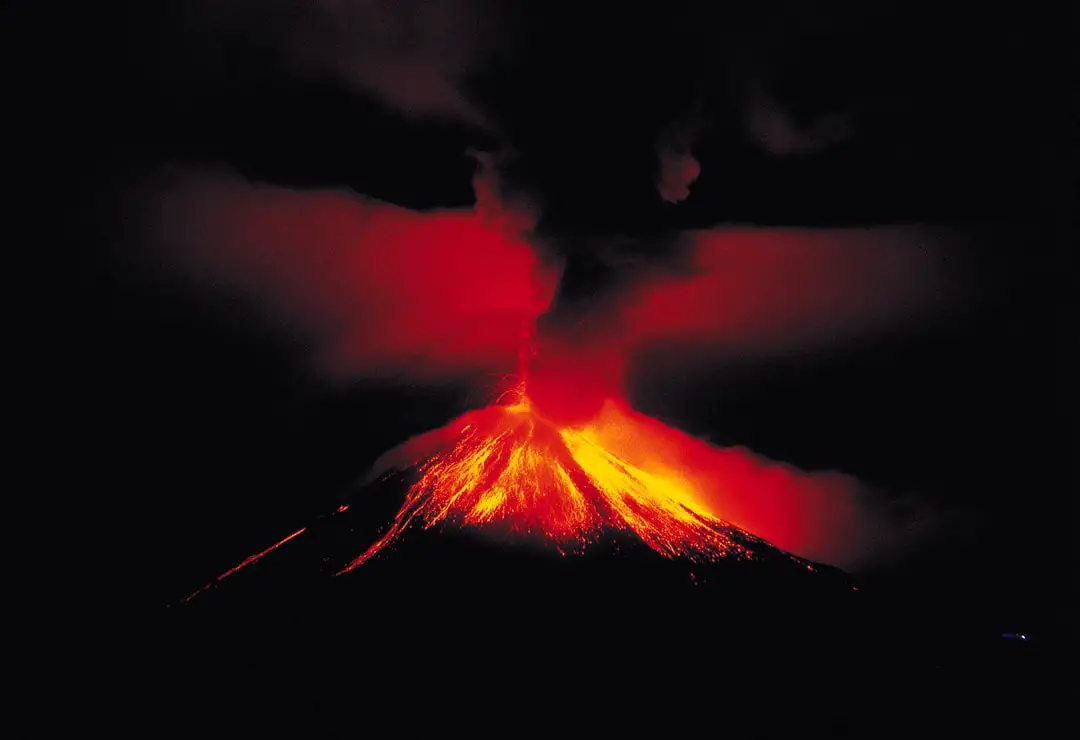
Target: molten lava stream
point(509, 468)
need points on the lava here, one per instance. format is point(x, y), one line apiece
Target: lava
point(509, 469)
point(251, 559)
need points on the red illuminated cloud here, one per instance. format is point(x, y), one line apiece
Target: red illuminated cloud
point(825, 516)
point(380, 290)
point(678, 171)
point(377, 290)
point(773, 291)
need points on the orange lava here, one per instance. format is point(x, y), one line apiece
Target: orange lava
point(248, 561)
point(511, 471)
point(508, 469)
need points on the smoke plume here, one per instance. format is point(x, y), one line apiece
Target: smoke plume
point(377, 290)
point(374, 289)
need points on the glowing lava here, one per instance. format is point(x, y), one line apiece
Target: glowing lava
point(252, 559)
point(508, 469)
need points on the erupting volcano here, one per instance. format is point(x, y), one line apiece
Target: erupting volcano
point(512, 471)
point(508, 468)
point(561, 458)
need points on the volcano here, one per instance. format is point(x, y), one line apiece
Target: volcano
point(509, 474)
point(508, 557)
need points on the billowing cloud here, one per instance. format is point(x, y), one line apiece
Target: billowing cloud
point(377, 290)
point(678, 170)
point(826, 516)
point(373, 289)
point(776, 291)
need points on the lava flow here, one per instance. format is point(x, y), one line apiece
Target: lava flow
point(509, 469)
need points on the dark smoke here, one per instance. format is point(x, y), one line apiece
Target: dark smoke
point(779, 133)
point(415, 56)
point(379, 291)
point(678, 167)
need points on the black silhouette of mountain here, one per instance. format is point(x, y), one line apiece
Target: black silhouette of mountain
point(438, 603)
point(452, 633)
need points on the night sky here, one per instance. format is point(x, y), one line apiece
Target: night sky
point(208, 366)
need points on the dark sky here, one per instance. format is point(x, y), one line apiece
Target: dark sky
point(934, 115)
point(165, 415)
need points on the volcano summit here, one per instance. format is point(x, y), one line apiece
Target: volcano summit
point(506, 471)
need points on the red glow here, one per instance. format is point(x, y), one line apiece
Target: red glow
point(569, 381)
point(506, 469)
point(678, 171)
point(251, 559)
point(509, 467)
point(776, 290)
point(375, 289)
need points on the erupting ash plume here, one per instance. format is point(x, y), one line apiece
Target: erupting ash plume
point(372, 289)
point(376, 289)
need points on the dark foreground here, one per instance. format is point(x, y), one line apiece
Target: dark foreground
point(448, 636)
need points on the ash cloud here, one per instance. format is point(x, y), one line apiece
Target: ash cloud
point(374, 290)
point(377, 290)
point(757, 291)
point(678, 169)
point(498, 205)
